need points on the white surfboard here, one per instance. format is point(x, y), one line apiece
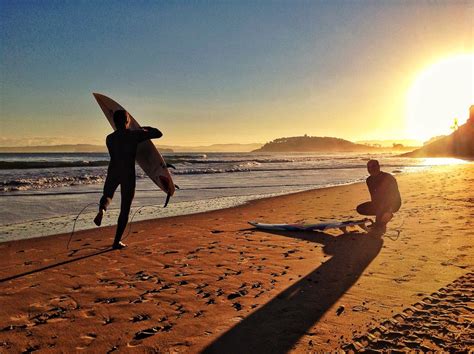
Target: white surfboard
point(341, 225)
point(148, 157)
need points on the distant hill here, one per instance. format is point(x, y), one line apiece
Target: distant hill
point(61, 148)
point(458, 144)
point(311, 144)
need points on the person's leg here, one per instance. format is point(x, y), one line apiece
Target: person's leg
point(127, 191)
point(385, 213)
point(367, 208)
point(383, 217)
point(370, 208)
point(110, 186)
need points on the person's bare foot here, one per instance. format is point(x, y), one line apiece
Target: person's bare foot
point(378, 228)
point(98, 218)
point(119, 246)
point(381, 228)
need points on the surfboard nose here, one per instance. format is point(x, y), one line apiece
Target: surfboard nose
point(98, 97)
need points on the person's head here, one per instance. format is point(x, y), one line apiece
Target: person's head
point(121, 119)
point(373, 167)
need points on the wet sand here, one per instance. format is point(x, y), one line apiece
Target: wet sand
point(209, 282)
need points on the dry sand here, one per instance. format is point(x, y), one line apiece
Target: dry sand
point(210, 282)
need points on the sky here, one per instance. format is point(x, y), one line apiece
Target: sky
point(207, 72)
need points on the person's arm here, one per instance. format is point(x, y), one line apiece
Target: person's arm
point(391, 195)
point(392, 191)
point(108, 144)
point(110, 149)
point(148, 133)
point(371, 188)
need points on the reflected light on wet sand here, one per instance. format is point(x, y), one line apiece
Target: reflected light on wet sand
point(441, 161)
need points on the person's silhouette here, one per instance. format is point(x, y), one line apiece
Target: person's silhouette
point(384, 193)
point(122, 145)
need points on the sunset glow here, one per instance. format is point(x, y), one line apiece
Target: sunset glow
point(442, 92)
point(235, 72)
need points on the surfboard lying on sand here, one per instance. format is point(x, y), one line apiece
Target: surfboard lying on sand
point(343, 225)
point(148, 157)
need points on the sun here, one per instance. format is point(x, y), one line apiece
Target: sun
point(442, 92)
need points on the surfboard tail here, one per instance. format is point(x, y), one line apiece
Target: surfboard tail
point(168, 185)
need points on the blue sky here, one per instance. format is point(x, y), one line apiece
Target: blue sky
point(219, 71)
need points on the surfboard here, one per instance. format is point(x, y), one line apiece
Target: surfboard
point(148, 157)
point(341, 225)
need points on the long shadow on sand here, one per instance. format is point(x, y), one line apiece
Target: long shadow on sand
point(278, 325)
point(50, 266)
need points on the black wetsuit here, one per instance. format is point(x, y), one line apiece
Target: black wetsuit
point(122, 145)
point(384, 193)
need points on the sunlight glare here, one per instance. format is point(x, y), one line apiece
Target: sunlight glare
point(441, 93)
point(442, 161)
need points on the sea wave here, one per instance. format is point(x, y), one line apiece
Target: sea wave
point(22, 165)
point(219, 161)
point(46, 182)
point(79, 177)
point(32, 183)
point(206, 171)
point(188, 160)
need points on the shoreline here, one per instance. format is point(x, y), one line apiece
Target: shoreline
point(47, 212)
point(111, 216)
point(209, 281)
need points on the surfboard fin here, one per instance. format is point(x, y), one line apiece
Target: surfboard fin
point(170, 166)
point(168, 196)
point(176, 186)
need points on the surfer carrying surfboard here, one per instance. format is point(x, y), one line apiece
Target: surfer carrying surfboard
point(384, 193)
point(122, 145)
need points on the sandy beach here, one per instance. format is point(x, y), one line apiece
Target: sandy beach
point(210, 282)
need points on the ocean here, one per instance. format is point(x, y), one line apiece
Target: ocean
point(46, 193)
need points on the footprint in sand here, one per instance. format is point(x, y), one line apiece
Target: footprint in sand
point(140, 318)
point(107, 320)
point(440, 322)
point(88, 313)
point(237, 306)
point(54, 314)
point(237, 294)
point(145, 333)
point(87, 340)
point(198, 313)
point(9, 328)
point(109, 300)
point(65, 302)
point(32, 348)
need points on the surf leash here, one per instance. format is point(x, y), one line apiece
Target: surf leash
point(397, 230)
point(133, 216)
point(129, 226)
point(75, 220)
